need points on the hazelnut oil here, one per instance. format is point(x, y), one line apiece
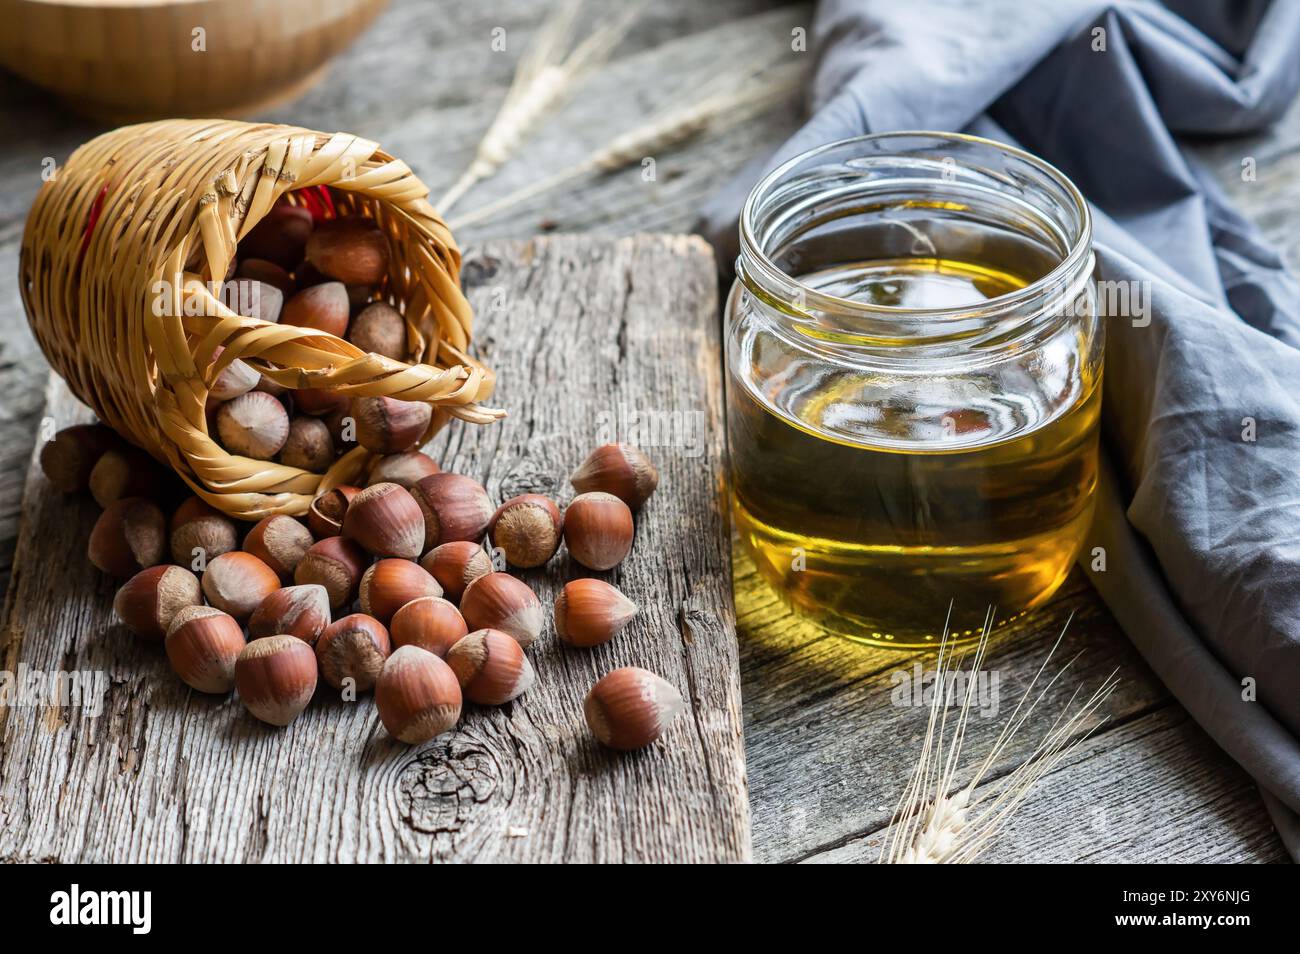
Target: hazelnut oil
point(873, 501)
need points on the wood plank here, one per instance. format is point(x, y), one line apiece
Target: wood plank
point(1137, 793)
point(576, 328)
point(829, 747)
point(432, 116)
point(619, 98)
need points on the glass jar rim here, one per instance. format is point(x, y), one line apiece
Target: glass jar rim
point(1062, 275)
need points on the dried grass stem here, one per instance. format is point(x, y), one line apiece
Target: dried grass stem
point(937, 822)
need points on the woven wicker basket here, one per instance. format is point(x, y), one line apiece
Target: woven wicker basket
point(167, 202)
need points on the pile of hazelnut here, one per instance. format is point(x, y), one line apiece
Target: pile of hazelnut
point(324, 275)
point(436, 623)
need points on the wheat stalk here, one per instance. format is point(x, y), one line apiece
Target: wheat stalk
point(937, 823)
point(547, 73)
point(723, 104)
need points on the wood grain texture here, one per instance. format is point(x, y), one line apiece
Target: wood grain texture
point(823, 761)
point(576, 328)
point(1137, 792)
point(831, 747)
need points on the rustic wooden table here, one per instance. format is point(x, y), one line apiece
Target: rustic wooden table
point(827, 751)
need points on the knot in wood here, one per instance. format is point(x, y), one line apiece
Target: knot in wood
point(537, 473)
point(477, 269)
point(441, 788)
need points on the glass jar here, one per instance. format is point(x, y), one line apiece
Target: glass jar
point(914, 366)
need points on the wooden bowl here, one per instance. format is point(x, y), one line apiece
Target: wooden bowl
point(126, 60)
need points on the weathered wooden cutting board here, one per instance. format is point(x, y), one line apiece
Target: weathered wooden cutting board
point(594, 340)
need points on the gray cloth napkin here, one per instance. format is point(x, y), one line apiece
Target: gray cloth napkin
point(1201, 525)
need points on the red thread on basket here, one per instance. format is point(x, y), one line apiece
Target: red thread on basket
point(327, 200)
point(92, 220)
point(319, 202)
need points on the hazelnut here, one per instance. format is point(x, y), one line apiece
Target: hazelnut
point(455, 507)
point(268, 303)
point(385, 520)
point(267, 386)
point(280, 237)
point(403, 469)
point(631, 707)
point(235, 379)
point(309, 445)
point(456, 565)
point(237, 583)
point(591, 612)
point(302, 611)
point(618, 469)
point(319, 401)
point(336, 563)
point(253, 425)
point(268, 273)
point(526, 529)
point(325, 515)
point(417, 695)
point(387, 426)
point(598, 529)
point(350, 249)
point(255, 299)
point(276, 678)
point(490, 667)
point(343, 429)
point(380, 329)
point(280, 542)
point(429, 622)
point(353, 648)
point(70, 456)
point(202, 645)
point(323, 307)
point(200, 533)
point(499, 601)
point(149, 600)
point(125, 472)
point(129, 536)
point(390, 584)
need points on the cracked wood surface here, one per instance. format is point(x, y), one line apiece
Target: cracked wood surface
point(583, 333)
point(826, 752)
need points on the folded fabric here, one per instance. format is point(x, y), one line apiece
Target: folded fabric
point(1199, 509)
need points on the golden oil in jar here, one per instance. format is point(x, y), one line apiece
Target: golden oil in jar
point(914, 364)
point(876, 504)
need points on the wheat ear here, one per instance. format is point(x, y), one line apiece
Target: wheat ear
point(547, 73)
point(714, 111)
point(933, 824)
